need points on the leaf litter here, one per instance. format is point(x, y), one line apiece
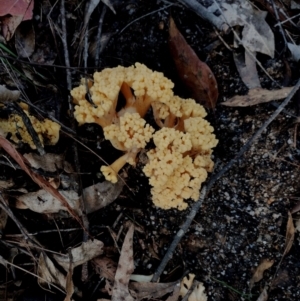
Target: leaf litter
point(234, 259)
point(12, 13)
point(259, 271)
point(194, 73)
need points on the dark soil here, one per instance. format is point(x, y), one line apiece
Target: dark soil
point(244, 218)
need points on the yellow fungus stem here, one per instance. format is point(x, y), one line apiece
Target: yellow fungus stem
point(127, 93)
point(111, 172)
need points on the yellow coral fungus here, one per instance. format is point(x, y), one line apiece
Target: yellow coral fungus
point(179, 163)
point(139, 85)
point(131, 135)
point(173, 175)
point(131, 132)
point(47, 130)
point(104, 93)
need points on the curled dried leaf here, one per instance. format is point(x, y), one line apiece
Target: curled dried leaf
point(259, 271)
point(194, 73)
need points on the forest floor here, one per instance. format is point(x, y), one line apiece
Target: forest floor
point(243, 243)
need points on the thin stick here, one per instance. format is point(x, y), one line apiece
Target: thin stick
point(43, 114)
point(196, 206)
point(22, 229)
point(38, 277)
point(85, 58)
point(45, 232)
point(74, 146)
point(206, 189)
point(288, 20)
point(98, 39)
point(43, 65)
point(280, 25)
point(65, 45)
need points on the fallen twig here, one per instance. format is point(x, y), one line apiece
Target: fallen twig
point(280, 25)
point(98, 39)
point(74, 146)
point(46, 115)
point(206, 189)
point(22, 229)
point(8, 147)
point(65, 45)
point(34, 275)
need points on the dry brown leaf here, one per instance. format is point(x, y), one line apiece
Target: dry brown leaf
point(90, 7)
point(105, 267)
point(295, 51)
point(109, 5)
point(125, 268)
point(284, 14)
point(13, 13)
point(297, 224)
point(25, 40)
point(175, 294)
point(48, 273)
point(3, 220)
point(69, 285)
point(8, 147)
point(85, 252)
point(49, 162)
point(259, 271)
point(108, 286)
point(149, 290)
point(264, 295)
point(296, 208)
point(101, 195)
point(246, 66)
point(96, 197)
point(290, 234)
point(257, 96)
point(17, 8)
point(282, 279)
point(256, 35)
point(194, 73)
point(42, 201)
point(6, 184)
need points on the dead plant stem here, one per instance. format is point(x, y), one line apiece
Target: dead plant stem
point(65, 45)
point(69, 86)
point(280, 25)
point(6, 208)
point(74, 146)
point(99, 33)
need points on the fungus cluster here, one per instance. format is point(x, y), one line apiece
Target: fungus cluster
point(47, 130)
point(179, 163)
